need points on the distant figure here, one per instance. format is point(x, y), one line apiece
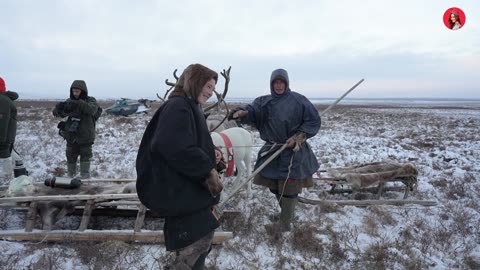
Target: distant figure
point(454, 20)
point(176, 168)
point(8, 128)
point(79, 128)
point(283, 117)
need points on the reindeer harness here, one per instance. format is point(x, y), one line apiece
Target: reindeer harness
point(230, 158)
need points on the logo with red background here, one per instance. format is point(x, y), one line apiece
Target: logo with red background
point(454, 18)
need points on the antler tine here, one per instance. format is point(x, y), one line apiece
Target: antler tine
point(226, 75)
point(226, 114)
point(162, 99)
point(175, 74)
point(172, 85)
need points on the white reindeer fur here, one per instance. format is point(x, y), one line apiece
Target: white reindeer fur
point(242, 143)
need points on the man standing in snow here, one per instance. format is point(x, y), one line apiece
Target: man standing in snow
point(79, 128)
point(8, 128)
point(283, 117)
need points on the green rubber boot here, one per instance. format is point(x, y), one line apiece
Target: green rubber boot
point(85, 169)
point(287, 214)
point(72, 169)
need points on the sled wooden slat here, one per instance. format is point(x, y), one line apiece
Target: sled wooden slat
point(364, 203)
point(108, 180)
point(98, 197)
point(87, 212)
point(31, 217)
point(90, 235)
point(140, 218)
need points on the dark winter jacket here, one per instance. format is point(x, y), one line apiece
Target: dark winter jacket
point(82, 116)
point(279, 117)
point(8, 118)
point(175, 156)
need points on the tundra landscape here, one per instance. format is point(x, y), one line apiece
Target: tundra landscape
point(441, 140)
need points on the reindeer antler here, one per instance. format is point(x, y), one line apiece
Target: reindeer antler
point(172, 85)
point(220, 98)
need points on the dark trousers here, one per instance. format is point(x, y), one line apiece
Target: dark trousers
point(5, 149)
point(74, 150)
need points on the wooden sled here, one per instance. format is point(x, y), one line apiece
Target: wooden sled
point(372, 178)
point(127, 202)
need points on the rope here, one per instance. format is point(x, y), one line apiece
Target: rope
point(286, 180)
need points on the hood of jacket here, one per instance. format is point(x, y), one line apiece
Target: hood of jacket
point(281, 74)
point(79, 84)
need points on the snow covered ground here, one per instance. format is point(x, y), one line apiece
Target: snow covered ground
point(442, 141)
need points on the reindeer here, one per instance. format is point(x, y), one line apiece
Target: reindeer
point(236, 145)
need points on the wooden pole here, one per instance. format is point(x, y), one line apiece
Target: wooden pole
point(131, 196)
point(90, 235)
point(221, 204)
point(364, 203)
point(108, 180)
point(340, 98)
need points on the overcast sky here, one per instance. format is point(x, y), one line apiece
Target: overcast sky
point(128, 48)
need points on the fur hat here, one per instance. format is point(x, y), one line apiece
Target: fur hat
point(192, 80)
point(3, 88)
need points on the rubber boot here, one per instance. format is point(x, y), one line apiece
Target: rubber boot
point(72, 169)
point(288, 213)
point(275, 217)
point(6, 168)
point(85, 169)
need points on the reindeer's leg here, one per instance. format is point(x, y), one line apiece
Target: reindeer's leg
point(248, 164)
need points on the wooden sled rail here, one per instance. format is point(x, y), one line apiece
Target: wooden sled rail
point(97, 197)
point(365, 203)
point(91, 235)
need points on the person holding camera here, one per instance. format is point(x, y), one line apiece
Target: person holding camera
point(82, 112)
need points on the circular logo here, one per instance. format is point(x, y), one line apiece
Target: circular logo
point(454, 18)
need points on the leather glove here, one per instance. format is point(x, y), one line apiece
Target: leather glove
point(214, 185)
point(297, 141)
point(237, 113)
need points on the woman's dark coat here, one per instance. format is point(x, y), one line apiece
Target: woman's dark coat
point(175, 156)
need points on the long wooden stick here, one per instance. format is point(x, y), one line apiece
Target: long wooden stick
point(70, 197)
point(91, 235)
point(272, 157)
point(340, 98)
point(367, 202)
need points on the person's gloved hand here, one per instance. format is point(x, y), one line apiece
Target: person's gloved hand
point(237, 113)
point(296, 141)
point(214, 185)
point(70, 106)
point(58, 111)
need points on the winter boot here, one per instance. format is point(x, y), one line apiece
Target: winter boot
point(85, 169)
point(275, 217)
point(288, 213)
point(6, 169)
point(72, 169)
